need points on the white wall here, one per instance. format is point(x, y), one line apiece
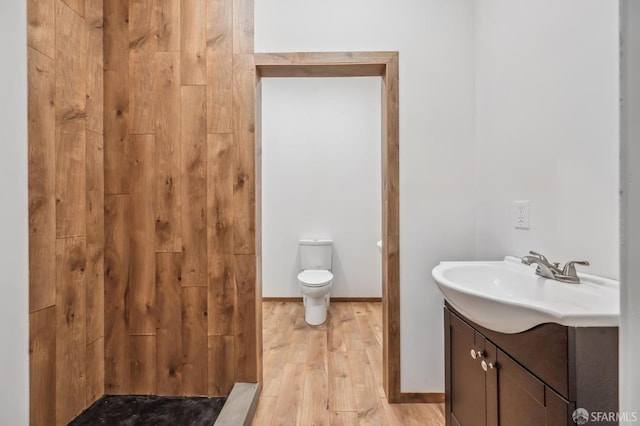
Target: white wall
point(435, 41)
point(499, 101)
point(630, 163)
point(14, 285)
point(547, 129)
point(321, 179)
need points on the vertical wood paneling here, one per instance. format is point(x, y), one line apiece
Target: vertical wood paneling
point(70, 122)
point(142, 271)
point(71, 65)
point(220, 182)
point(42, 366)
point(220, 26)
point(248, 338)
point(116, 259)
point(171, 96)
point(41, 26)
point(194, 341)
point(243, 26)
point(95, 236)
point(143, 365)
point(167, 25)
point(193, 59)
point(221, 365)
point(70, 328)
point(169, 332)
point(246, 319)
point(168, 165)
point(219, 65)
point(95, 371)
point(116, 96)
point(194, 185)
point(95, 65)
point(219, 92)
point(95, 364)
point(245, 155)
point(142, 50)
point(66, 192)
point(76, 5)
point(42, 168)
point(70, 179)
point(221, 295)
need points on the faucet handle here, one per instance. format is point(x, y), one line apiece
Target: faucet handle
point(569, 268)
point(544, 259)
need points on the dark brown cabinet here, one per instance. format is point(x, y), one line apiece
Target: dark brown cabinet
point(535, 378)
point(468, 396)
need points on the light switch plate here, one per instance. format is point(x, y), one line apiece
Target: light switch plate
point(522, 214)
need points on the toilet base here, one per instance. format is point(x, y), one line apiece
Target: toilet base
point(315, 310)
point(316, 302)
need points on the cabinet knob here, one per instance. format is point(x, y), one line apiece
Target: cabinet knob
point(487, 365)
point(476, 354)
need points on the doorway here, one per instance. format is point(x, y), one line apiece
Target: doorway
point(359, 64)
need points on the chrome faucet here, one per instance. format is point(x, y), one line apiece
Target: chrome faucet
point(569, 274)
point(545, 268)
point(552, 271)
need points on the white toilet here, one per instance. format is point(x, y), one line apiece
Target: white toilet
point(315, 280)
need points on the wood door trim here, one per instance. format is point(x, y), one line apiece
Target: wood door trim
point(358, 64)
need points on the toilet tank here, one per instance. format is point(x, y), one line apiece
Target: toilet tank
point(315, 254)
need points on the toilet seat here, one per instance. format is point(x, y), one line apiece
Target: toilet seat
point(315, 277)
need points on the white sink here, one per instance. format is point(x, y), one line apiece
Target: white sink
point(507, 296)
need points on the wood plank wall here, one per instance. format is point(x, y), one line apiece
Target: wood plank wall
point(66, 208)
point(142, 201)
point(181, 313)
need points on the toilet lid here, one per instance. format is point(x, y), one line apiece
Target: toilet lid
point(315, 277)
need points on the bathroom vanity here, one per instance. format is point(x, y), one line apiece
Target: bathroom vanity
point(534, 377)
point(523, 348)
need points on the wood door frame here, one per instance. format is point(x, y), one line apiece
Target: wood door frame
point(358, 64)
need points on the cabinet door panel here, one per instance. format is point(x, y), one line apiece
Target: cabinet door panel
point(520, 395)
point(559, 410)
point(454, 421)
point(467, 376)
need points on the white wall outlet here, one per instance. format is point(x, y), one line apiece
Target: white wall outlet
point(522, 214)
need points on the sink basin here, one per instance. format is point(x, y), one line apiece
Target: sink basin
point(507, 296)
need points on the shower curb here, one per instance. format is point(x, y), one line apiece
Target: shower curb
point(240, 406)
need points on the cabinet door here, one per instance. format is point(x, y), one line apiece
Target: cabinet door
point(520, 395)
point(465, 382)
point(491, 383)
point(523, 400)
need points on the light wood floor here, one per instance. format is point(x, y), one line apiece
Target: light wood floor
point(329, 374)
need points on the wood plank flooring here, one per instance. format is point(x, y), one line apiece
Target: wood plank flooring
point(329, 374)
